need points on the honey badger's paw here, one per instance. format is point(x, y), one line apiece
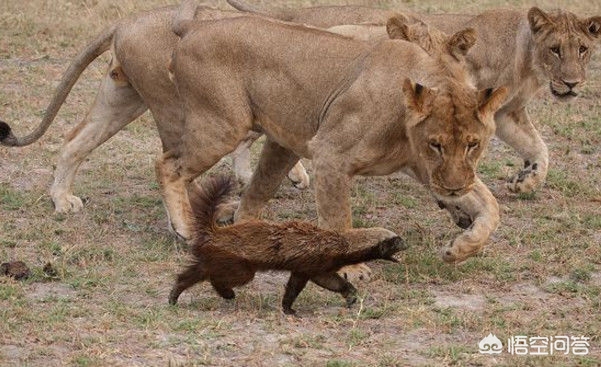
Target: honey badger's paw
point(299, 177)
point(527, 180)
point(66, 203)
point(356, 272)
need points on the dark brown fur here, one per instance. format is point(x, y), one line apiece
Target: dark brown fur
point(4, 130)
point(15, 269)
point(230, 256)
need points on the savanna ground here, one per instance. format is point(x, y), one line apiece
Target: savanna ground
point(115, 261)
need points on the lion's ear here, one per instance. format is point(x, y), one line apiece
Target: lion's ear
point(593, 26)
point(418, 98)
point(461, 42)
point(489, 100)
point(396, 27)
point(538, 20)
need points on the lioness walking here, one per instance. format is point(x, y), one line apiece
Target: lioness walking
point(524, 51)
point(350, 106)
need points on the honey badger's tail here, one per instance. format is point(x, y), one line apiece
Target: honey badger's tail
point(205, 200)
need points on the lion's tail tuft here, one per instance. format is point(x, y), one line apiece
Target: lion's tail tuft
point(95, 48)
point(5, 133)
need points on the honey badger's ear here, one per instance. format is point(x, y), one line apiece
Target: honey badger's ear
point(418, 98)
point(538, 20)
point(461, 42)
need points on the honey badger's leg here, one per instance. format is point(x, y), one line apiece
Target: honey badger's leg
point(116, 105)
point(336, 283)
point(223, 289)
point(193, 274)
point(482, 209)
point(296, 283)
point(231, 274)
point(516, 129)
point(274, 163)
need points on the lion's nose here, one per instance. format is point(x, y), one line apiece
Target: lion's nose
point(570, 84)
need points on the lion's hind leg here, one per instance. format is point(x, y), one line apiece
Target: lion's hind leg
point(299, 176)
point(116, 105)
point(275, 161)
point(241, 158)
point(209, 134)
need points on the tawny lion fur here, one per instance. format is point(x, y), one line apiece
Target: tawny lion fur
point(136, 80)
point(524, 51)
point(348, 105)
point(230, 256)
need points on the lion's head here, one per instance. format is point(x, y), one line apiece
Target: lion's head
point(449, 127)
point(449, 131)
point(434, 41)
point(563, 46)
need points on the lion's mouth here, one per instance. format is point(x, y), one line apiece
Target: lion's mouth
point(562, 95)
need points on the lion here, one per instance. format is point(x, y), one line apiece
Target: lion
point(524, 51)
point(136, 80)
point(229, 256)
point(353, 107)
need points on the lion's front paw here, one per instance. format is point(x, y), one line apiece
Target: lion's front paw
point(527, 180)
point(299, 177)
point(67, 204)
point(457, 251)
point(354, 272)
point(462, 219)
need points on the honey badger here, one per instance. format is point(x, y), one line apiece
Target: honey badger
point(230, 256)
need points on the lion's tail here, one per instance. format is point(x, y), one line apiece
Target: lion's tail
point(276, 13)
point(205, 200)
point(94, 49)
point(183, 18)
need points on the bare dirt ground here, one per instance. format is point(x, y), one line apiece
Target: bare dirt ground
point(115, 261)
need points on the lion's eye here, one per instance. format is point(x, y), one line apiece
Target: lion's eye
point(556, 51)
point(583, 50)
point(436, 147)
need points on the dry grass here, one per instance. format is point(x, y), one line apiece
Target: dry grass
point(115, 261)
